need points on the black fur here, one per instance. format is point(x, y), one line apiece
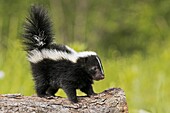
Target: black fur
point(50, 75)
point(38, 25)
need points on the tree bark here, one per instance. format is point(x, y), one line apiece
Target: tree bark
point(110, 101)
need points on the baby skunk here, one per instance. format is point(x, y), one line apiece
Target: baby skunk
point(57, 66)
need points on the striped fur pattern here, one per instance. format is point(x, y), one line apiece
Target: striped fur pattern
point(35, 56)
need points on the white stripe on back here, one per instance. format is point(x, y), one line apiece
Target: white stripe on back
point(35, 56)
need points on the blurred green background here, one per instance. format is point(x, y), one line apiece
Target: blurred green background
point(132, 38)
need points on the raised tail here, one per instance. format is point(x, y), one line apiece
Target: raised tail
point(38, 29)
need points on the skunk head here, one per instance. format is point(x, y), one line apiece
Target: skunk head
point(93, 66)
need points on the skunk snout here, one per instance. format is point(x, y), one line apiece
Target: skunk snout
point(102, 76)
point(98, 75)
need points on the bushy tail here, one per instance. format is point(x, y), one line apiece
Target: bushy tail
point(38, 29)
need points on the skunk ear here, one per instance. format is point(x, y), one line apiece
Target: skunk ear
point(82, 60)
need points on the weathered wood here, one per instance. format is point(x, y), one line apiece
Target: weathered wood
point(110, 101)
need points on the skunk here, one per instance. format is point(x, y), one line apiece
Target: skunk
point(57, 66)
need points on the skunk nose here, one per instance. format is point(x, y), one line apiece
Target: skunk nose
point(102, 76)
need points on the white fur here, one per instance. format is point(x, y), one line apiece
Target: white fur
point(37, 38)
point(85, 54)
point(100, 64)
point(35, 56)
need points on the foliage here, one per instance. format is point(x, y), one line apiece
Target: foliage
point(131, 37)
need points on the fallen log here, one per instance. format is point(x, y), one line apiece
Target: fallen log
point(109, 101)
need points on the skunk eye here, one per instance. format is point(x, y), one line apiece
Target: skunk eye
point(94, 68)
